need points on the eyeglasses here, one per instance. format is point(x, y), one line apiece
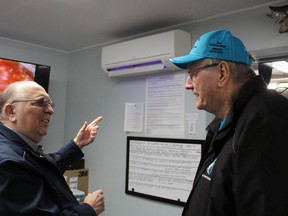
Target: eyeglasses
point(193, 73)
point(41, 102)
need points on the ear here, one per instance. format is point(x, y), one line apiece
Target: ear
point(223, 74)
point(9, 110)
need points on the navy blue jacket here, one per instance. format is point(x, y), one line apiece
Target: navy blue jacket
point(244, 166)
point(31, 185)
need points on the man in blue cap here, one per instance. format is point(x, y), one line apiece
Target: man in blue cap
point(244, 161)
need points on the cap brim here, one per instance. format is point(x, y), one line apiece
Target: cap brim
point(183, 61)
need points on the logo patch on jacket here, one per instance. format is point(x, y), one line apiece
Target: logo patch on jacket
point(207, 174)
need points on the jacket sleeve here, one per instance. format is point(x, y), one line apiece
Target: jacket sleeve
point(83, 209)
point(66, 155)
point(260, 179)
point(22, 192)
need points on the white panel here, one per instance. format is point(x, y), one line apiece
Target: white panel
point(159, 47)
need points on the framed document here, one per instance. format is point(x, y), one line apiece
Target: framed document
point(161, 168)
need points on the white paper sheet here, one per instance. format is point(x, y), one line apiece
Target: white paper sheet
point(165, 105)
point(134, 115)
point(163, 169)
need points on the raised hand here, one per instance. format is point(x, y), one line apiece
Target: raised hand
point(87, 133)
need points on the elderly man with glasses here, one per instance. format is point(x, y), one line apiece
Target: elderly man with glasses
point(244, 160)
point(32, 183)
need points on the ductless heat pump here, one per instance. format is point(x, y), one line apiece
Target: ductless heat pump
point(145, 55)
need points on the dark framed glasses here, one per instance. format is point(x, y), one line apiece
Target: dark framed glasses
point(193, 73)
point(41, 102)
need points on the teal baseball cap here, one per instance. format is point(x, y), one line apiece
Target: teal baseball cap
point(219, 44)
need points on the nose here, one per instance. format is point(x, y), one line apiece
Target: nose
point(49, 109)
point(189, 84)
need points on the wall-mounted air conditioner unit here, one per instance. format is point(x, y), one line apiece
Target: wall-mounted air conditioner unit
point(145, 55)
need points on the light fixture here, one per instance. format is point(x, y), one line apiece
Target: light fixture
point(281, 66)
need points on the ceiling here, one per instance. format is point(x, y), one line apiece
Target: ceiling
point(70, 25)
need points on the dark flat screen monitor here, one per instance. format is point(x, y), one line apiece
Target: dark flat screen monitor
point(14, 70)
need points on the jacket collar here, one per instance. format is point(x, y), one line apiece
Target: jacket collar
point(15, 138)
point(251, 88)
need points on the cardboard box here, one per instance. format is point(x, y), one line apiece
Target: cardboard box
point(78, 179)
point(79, 195)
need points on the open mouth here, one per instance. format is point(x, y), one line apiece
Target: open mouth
point(46, 120)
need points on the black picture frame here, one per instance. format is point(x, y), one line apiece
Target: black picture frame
point(161, 169)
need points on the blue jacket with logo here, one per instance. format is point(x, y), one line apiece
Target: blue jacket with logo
point(31, 185)
point(244, 166)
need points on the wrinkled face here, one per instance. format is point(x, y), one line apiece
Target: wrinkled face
point(32, 118)
point(202, 80)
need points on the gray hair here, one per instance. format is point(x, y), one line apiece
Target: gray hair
point(7, 95)
point(240, 72)
point(12, 91)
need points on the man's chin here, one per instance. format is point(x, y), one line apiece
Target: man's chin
point(199, 106)
point(41, 134)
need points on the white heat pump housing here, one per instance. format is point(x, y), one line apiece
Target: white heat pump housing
point(145, 55)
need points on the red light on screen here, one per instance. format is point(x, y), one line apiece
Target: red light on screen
point(13, 71)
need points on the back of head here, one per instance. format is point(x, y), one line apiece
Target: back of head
point(15, 89)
